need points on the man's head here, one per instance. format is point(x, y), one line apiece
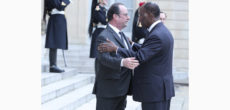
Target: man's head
point(118, 15)
point(148, 14)
point(163, 16)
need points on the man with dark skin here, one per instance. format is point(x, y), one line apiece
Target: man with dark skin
point(153, 81)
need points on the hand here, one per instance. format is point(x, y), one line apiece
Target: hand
point(108, 46)
point(130, 63)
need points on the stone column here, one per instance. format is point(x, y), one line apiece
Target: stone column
point(77, 15)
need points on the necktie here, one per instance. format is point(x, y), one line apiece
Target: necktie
point(123, 39)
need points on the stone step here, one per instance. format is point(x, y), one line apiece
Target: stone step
point(74, 50)
point(73, 47)
point(131, 105)
point(76, 63)
point(48, 78)
point(84, 68)
point(179, 76)
point(77, 54)
point(76, 60)
point(71, 100)
point(91, 105)
point(80, 68)
point(62, 87)
point(70, 56)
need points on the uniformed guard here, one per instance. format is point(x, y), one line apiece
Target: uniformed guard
point(138, 31)
point(98, 21)
point(56, 34)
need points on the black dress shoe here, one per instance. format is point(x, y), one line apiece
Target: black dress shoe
point(55, 69)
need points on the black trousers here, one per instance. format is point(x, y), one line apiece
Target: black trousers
point(53, 57)
point(117, 103)
point(162, 105)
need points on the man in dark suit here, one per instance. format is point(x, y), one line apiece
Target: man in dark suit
point(153, 81)
point(113, 72)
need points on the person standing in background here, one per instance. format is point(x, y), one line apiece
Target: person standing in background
point(98, 20)
point(163, 16)
point(56, 34)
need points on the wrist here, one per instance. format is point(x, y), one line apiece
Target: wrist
point(115, 48)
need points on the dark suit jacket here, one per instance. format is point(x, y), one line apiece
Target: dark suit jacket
point(112, 80)
point(153, 80)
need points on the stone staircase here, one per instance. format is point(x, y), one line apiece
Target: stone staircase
point(77, 56)
point(61, 92)
point(72, 90)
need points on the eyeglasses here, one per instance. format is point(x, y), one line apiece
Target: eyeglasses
point(123, 14)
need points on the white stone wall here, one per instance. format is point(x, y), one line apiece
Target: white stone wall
point(177, 22)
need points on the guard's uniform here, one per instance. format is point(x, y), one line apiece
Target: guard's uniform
point(138, 32)
point(99, 22)
point(56, 35)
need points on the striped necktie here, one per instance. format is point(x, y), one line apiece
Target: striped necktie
point(123, 39)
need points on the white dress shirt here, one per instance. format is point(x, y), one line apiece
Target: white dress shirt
point(117, 32)
point(153, 25)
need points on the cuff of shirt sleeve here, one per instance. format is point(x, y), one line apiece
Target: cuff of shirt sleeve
point(132, 44)
point(122, 62)
point(117, 50)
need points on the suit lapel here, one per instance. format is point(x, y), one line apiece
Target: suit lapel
point(127, 42)
point(116, 36)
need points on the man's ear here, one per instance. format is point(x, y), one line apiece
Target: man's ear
point(115, 16)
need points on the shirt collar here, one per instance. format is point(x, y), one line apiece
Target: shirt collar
point(153, 25)
point(114, 28)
